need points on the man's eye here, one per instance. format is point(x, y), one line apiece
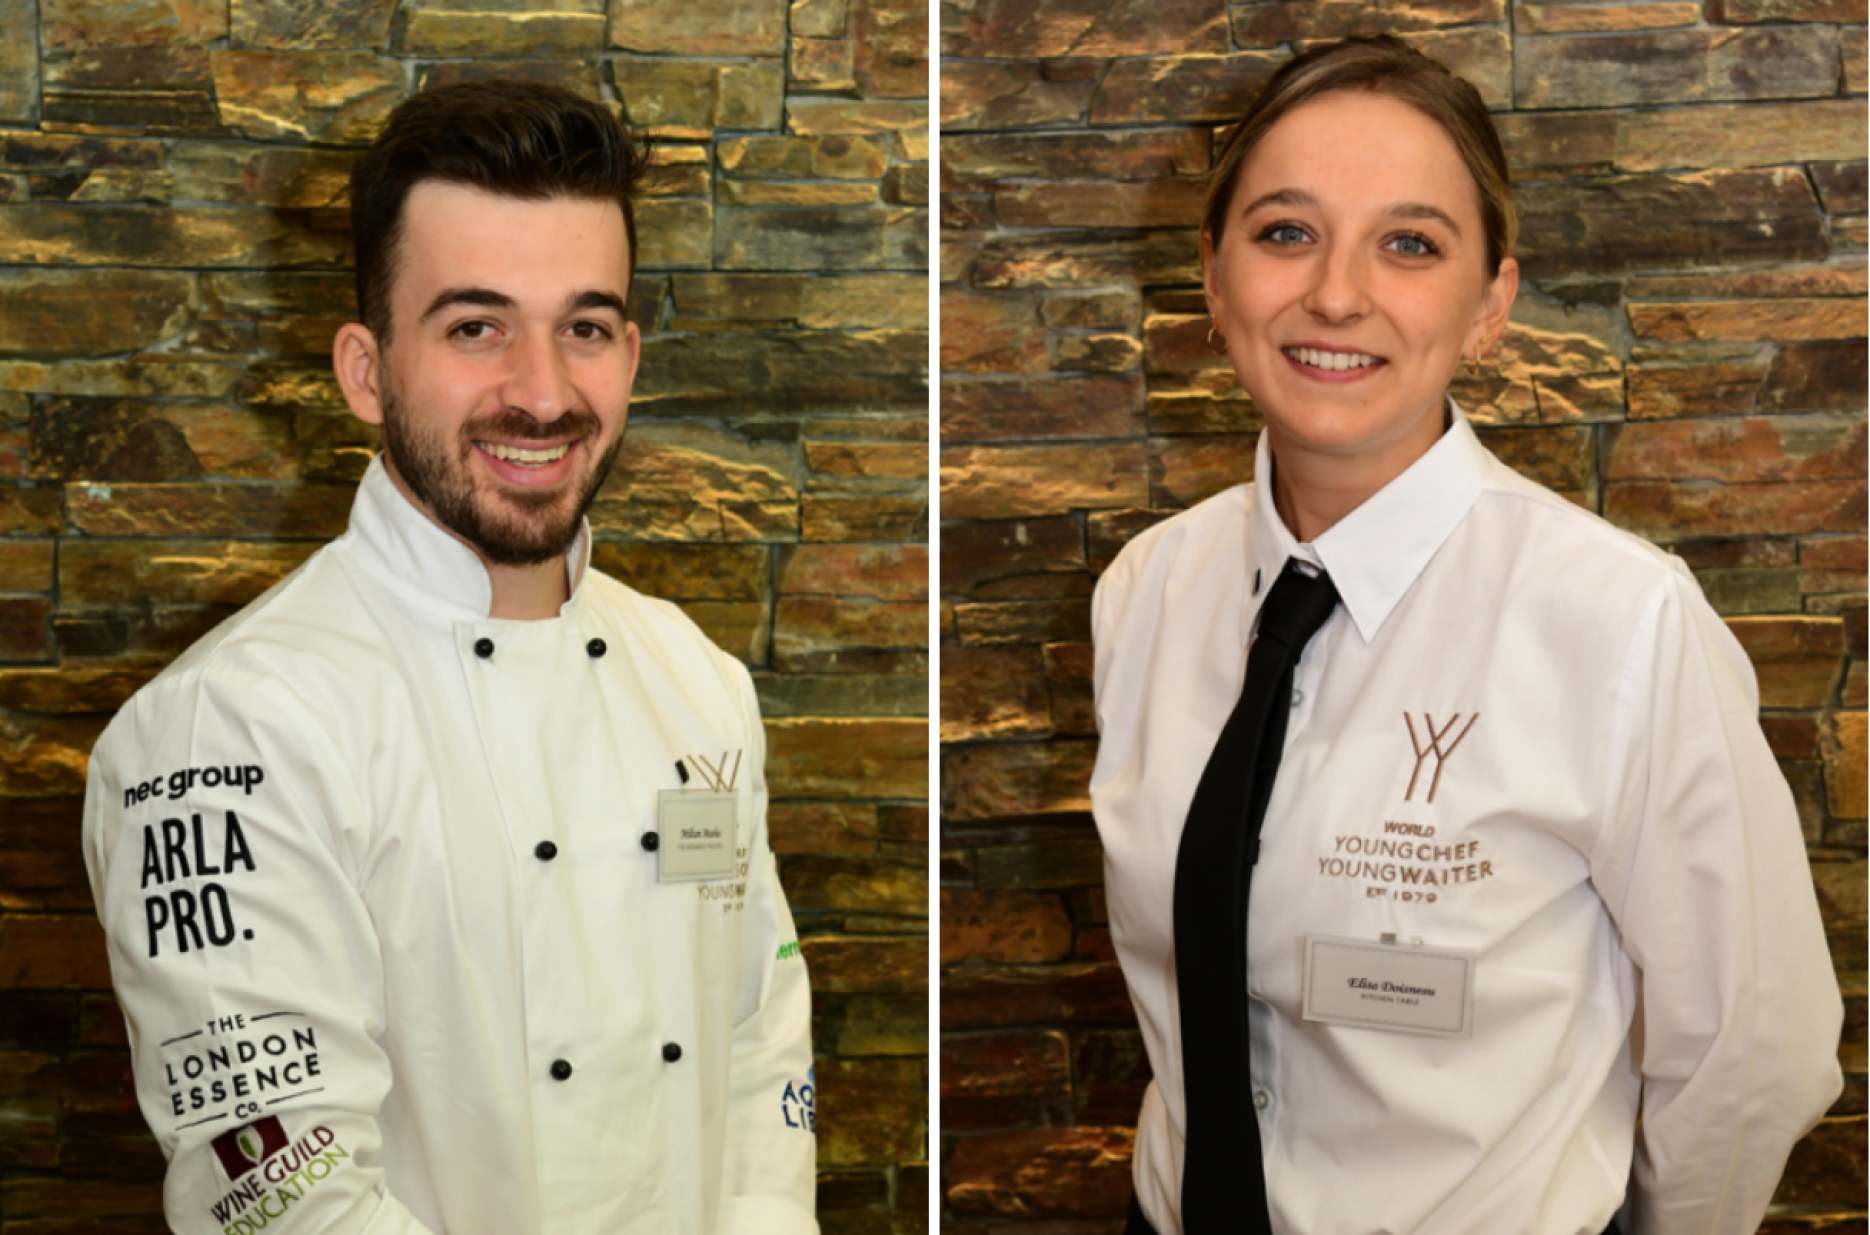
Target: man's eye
point(589, 330)
point(471, 330)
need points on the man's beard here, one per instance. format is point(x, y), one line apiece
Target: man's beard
point(513, 527)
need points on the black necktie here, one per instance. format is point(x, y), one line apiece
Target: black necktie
point(1223, 1181)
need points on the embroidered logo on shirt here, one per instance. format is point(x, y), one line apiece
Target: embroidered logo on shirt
point(1434, 748)
point(285, 1173)
point(796, 1104)
point(245, 1148)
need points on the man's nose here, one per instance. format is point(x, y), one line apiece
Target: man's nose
point(538, 383)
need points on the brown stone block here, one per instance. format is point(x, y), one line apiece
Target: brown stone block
point(66, 1200)
point(876, 1025)
point(992, 332)
point(1748, 12)
point(1107, 532)
point(1082, 993)
point(120, 236)
point(38, 152)
point(1612, 224)
point(1004, 1080)
point(1856, 62)
point(737, 297)
point(989, 482)
point(1663, 512)
point(96, 439)
point(1091, 310)
point(1178, 343)
point(863, 516)
point(886, 572)
point(1571, 141)
point(166, 88)
point(1718, 389)
point(1841, 888)
point(819, 19)
point(72, 688)
point(865, 885)
point(711, 483)
point(578, 76)
point(70, 25)
point(825, 65)
point(1018, 779)
point(1842, 741)
point(46, 757)
point(25, 628)
point(19, 63)
point(979, 553)
point(859, 238)
point(701, 28)
point(687, 572)
point(818, 633)
point(251, 175)
point(1003, 927)
point(1068, 674)
point(1059, 1173)
point(674, 232)
point(1827, 1167)
point(35, 1022)
point(1051, 620)
point(173, 571)
point(41, 952)
point(848, 757)
point(1841, 186)
point(1758, 135)
point(1009, 28)
point(981, 94)
point(846, 966)
point(1183, 89)
point(1798, 659)
point(821, 117)
point(1559, 458)
point(698, 96)
point(1835, 564)
point(1820, 280)
point(468, 32)
point(31, 512)
point(863, 301)
point(1482, 55)
point(294, 511)
point(891, 40)
point(1156, 203)
point(26, 565)
point(738, 627)
point(1186, 470)
point(1072, 259)
point(1061, 407)
point(840, 828)
point(1103, 353)
point(333, 98)
point(1686, 66)
point(29, 1088)
point(92, 312)
point(1604, 18)
point(993, 692)
point(1139, 155)
point(1068, 860)
point(833, 157)
point(1774, 448)
point(1791, 320)
point(1291, 21)
point(320, 25)
point(104, 185)
point(872, 1111)
point(1812, 377)
point(1791, 737)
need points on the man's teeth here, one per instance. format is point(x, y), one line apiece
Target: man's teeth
point(1331, 360)
point(517, 454)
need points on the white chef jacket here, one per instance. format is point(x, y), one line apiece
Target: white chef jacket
point(1607, 830)
point(393, 953)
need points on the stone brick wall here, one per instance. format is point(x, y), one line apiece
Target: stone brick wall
point(1687, 359)
point(173, 261)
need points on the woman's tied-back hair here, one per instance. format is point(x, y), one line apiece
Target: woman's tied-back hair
point(514, 138)
point(1387, 66)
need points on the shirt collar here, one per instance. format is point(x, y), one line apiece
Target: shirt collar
point(1374, 553)
point(415, 553)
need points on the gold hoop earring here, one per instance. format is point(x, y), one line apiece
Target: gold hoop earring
point(1473, 362)
point(1212, 336)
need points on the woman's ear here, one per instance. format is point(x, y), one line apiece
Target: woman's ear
point(358, 363)
point(1496, 308)
point(1210, 277)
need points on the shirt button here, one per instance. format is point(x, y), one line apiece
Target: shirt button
point(561, 1071)
point(596, 648)
point(1298, 696)
point(483, 648)
point(671, 1052)
point(650, 841)
point(1260, 1100)
point(545, 851)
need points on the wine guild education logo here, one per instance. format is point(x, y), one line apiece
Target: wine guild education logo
point(245, 1148)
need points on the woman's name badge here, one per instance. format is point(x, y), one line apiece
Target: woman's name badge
point(1404, 988)
point(697, 835)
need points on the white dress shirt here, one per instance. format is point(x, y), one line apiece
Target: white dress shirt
point(392, 949)
point(1524, 733)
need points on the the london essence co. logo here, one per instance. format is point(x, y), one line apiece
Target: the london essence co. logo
point(245, 1148)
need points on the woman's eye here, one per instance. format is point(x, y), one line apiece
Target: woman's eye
point(1414, 246)
point(1285, 233)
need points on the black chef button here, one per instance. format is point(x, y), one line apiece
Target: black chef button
point(483, 648)
point(545, 851)
point(561, 1071)
point(670, 1052)
point(650, 841)
point(596, 648)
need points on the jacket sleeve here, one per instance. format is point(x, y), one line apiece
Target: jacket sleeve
point(223, 838)
point(771, 1151)
point(1704, 870)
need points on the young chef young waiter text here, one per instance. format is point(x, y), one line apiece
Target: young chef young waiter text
point(437, 881)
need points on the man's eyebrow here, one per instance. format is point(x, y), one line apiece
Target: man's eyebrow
point(596, 300)
point(485, 297)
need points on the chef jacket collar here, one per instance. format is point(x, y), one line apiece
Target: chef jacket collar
point(414, 552)
point(1374, 553)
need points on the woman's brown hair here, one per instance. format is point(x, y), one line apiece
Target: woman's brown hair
point(1382, 65)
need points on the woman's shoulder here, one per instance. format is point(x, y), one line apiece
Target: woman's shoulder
point(1217, 525)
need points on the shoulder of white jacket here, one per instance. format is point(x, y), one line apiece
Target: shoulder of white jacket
point(660, 620)
point(1562, 517)
point(1224, 514)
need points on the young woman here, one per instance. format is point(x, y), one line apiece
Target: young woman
point(1526, 865)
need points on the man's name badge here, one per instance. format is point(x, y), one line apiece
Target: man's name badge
point(698, 833)
point(1403, 988)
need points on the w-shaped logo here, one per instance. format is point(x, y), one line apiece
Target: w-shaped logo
point(1434, 748)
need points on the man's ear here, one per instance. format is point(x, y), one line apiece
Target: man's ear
point(358, 363)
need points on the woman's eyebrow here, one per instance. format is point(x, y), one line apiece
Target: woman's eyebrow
point(1281, 197)
point(1422, 210)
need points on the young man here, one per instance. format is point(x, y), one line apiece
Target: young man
point(437, 880)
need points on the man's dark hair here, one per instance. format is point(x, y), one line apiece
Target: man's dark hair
point(514, 138)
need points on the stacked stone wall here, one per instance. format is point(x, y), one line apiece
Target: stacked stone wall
point(1687, 358)
point(174, 257)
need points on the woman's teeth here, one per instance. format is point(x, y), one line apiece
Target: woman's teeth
point(1331, 360)
point(520, 455)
